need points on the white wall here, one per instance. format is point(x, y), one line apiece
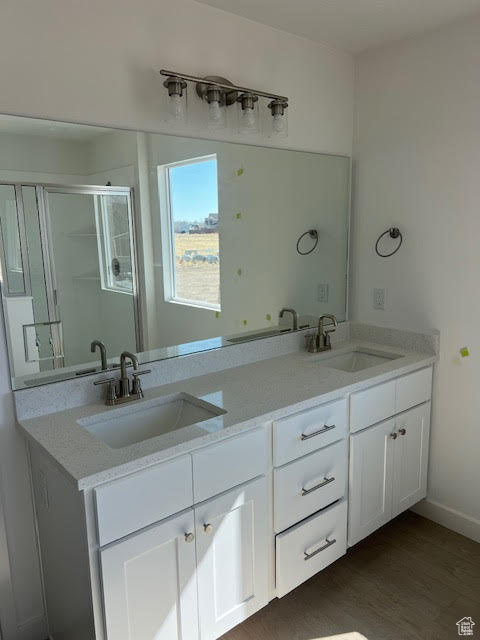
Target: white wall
point(98, 62)
point(417, 160)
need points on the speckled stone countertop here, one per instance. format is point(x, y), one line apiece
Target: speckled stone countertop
point(250, 395)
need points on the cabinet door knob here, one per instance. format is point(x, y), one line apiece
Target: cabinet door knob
point(402, 431)
point(208, 528)
point(189, 537)
point(394, 435)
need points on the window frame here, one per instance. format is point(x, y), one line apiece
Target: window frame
point(168, 238)
point(104, 237)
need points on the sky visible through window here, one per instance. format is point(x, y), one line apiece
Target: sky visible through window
point(194, 219)
point(194, 192)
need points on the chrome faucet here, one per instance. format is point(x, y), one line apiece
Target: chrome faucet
point(120, 390)
point(294, 315)
point(103, 352)
point(321, 340)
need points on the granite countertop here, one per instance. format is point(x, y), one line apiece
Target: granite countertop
point(250, 395)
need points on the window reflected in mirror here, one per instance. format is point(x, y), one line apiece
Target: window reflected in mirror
point(189, 201)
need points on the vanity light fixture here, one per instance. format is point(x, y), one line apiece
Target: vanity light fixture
point(279, 117)
point(220, 93)
point(216, 107)
point(177, 98)
point(247, 117)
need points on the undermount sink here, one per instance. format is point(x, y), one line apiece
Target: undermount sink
point(124, 426)
point(358, 360)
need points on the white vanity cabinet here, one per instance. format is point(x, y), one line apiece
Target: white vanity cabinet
point(371, 474)
point(149, 586)
point(410, 460)
point(190, 547)
point(388, 460)
point(232, 540)
point(216, 553)
point(309, 484)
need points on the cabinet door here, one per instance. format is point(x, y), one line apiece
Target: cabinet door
point(370, 483)
point(232, 539)
point(149, 585)
point(411, 458)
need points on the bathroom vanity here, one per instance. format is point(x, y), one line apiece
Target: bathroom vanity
point(264, 474)
point(256, 456)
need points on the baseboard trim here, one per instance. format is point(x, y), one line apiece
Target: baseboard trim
point(450, 518)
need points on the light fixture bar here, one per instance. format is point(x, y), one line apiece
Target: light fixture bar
point(229, 87)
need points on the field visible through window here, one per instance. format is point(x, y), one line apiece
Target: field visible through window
point(197, 267)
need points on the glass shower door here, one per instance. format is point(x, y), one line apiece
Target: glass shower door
point(91, 253)
point(13, 270)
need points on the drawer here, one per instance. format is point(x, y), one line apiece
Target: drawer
point(372, 405)
point(310, 546)
point(413, 389)
point(134, 502)
point(308, 431)
point(225, 465)
point(309, 484)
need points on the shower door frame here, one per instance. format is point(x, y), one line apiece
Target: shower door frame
point(41, 194)
point(93, 190)
point(23, 246)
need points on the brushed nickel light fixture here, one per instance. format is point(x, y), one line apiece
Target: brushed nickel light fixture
point(177, 98)
point(219, 93)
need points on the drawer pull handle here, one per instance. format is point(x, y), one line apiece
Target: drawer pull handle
point(324, 429)
point(189, 537)
point(329, 543)
point(394, 435)
point(325, 481)
point(402, 431)
point(208, 528)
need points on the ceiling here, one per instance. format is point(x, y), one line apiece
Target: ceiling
point(352, 25)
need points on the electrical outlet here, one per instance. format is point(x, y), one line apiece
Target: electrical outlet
point(322, 292)
point(379, 299)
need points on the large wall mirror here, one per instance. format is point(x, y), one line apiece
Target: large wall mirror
point(159, 244)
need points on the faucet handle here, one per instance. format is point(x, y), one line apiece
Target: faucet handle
point(111, 390)
point(311, 342)
point(136, 384)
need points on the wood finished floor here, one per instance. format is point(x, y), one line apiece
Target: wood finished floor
point(411, 580)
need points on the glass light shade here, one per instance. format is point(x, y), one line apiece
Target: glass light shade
point(278, 120)
point(216, 115)
point(177, 107)
point(176, 99)
point(248, 119)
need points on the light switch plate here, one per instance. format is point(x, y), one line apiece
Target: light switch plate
point(322, 292)
point(379, 299)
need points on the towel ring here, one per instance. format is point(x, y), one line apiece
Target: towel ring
point(312, 233)
point(394, 233)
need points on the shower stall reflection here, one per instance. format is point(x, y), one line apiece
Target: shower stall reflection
point(68, 273)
